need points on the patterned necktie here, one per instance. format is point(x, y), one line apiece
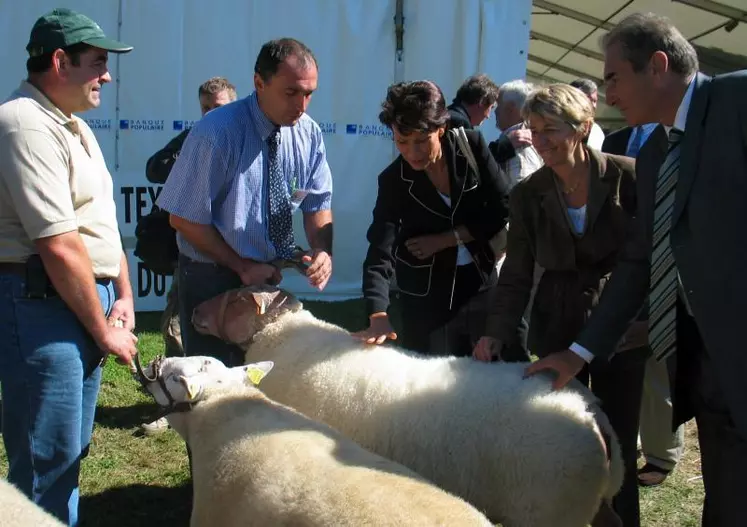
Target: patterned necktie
point(635, 144)
point(663, 292)
point(280, 220)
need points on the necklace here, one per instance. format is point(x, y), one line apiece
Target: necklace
point(570, 190)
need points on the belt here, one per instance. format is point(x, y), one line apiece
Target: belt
point(18, 268)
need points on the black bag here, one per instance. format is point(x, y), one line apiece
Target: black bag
point(156, 242)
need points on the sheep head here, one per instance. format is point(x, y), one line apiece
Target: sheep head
point(237, 315)
point(189, 379)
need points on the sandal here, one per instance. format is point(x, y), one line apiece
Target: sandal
point(651, 476)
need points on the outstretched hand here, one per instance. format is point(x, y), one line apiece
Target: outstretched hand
point(566, 364)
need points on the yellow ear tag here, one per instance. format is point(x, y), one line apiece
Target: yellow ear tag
point(193, 389)
point(255, 375)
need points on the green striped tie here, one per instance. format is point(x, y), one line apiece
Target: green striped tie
point(663, 293)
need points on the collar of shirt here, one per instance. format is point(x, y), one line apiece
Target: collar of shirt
point(680, 120)
point(646, 130)
point(264, 126)
point(31, 91)
point(71, 123)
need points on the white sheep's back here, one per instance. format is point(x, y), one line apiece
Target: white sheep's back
point(419, 410)
point(16, 510)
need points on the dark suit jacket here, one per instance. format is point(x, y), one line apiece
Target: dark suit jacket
point(159, 165)
point(617, 142)
point(458, 116)
point(576, 267)
point(708, 236)
point(502, 149)
point(408, 205)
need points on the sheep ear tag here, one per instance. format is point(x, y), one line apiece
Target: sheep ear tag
point(263, 301)
point(256, 372)
point(192, 386)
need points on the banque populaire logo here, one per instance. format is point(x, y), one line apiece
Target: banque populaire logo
point(99, 124)
point(141, 125)
point(184, 124)
point(328, 127)
point(369, 130)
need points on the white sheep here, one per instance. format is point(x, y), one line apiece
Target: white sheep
point(16, 510)
point(256, 462)
point(525, 455)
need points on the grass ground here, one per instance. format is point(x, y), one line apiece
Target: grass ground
point(130, 480)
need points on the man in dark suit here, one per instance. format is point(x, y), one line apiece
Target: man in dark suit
point(474, 101)
point(661, 448)
point(688, 250)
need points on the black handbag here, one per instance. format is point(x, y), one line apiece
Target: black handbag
point(156, 242)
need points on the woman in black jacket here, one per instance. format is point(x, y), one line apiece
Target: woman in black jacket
point(432, 225)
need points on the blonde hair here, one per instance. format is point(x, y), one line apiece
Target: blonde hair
point(560, 102)
point(216, 85)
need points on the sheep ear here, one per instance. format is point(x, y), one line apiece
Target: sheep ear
point(192, 387)
point(257, 371)
point(263, 300)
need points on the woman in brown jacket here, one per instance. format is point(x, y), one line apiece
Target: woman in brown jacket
point(570, 218)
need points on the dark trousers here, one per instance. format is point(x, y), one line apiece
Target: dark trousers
point(619, 385)
point(723, 451)
point(430, 326)
point(198, 282)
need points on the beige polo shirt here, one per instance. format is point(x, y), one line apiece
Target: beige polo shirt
point(53, 180)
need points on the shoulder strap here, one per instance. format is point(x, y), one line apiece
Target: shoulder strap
point(461, 139)
point(463, 144)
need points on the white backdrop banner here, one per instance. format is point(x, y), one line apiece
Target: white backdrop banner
point(179, 45)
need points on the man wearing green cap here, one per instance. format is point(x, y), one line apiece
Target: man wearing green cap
point(65, 296)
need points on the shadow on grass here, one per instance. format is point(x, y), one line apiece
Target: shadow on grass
point(124, 417)
point(137, 506)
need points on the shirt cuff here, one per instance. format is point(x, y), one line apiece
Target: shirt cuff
point(582, 352)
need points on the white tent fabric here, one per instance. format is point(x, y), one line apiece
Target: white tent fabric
point(179, 44)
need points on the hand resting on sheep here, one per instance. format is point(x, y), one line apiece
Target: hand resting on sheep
point(256, 462)
point(525, 455)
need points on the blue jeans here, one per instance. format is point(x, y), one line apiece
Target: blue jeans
point(50, 376)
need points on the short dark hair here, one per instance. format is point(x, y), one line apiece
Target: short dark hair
point(42, 63)
point(477, 89)
point(587, 86)
point(417, 106)
point(640, 35)
point(275, 52)
point(216, 85)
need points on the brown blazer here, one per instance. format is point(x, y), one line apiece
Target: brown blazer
point(576, 267)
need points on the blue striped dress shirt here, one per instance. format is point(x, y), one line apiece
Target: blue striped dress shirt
point(220, 177)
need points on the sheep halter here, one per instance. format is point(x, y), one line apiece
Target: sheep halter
point(146, 381)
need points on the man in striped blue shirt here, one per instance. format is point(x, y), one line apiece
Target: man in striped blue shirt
point(243, 170)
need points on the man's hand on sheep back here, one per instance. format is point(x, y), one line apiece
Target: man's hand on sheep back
point(566, 364)
point(320, 268)
point(378, 331)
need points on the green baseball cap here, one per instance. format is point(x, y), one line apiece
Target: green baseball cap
point(64, 27)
